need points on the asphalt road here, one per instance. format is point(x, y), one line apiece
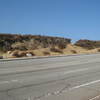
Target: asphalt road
point(58, 78)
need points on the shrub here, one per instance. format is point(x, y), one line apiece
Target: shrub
point(74, 51)
point(62, 45)
point(18, 53)
point(22, 54)
point(98, 50)
point(53, 49)
point(19, 46)
point(15, 53)
point(88, 44)
point(4, 46)
point(31, 44)
point(1, 57)
point(46, 53)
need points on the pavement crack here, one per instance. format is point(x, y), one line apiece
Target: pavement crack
point(9, 96)
point(57, 92)
point(93, 89)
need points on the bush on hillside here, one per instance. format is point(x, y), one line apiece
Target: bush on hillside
point(27, 42)
point(53, 49)
point(19, 46)
point(46, 53)
point(62, 45)
point(98, 50)
point(74, 51)
point(88, 44)
point(15, 54)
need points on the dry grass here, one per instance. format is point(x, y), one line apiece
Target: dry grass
point(53, 49)
point(46, 53)
point(1, 53)
point(74, 51)
point(71, 49)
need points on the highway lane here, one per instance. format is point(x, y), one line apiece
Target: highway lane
point(59, 78)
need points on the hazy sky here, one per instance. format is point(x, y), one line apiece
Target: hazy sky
point(67, 18)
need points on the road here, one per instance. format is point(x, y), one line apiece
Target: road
point(56, 78)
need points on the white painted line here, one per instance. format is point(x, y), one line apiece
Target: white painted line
point(74, 71)
point(97, 97)
point(76, 87)
point(86, 84)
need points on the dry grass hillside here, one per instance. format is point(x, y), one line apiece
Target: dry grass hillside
point(14, 45)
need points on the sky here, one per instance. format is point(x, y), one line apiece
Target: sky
point(76, 19)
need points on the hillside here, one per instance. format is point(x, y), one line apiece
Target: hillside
point(16, 45)
point(88, 44)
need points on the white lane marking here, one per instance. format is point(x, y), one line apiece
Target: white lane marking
point(86, 84)
point(7, 82)
point(97, 97)
point(76, 87)
point(77, 70)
